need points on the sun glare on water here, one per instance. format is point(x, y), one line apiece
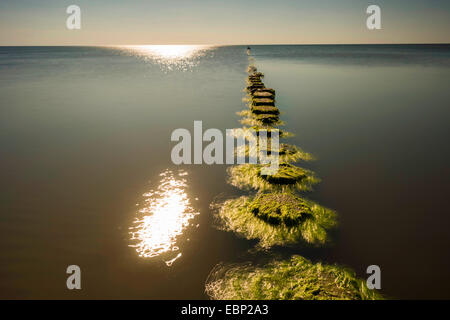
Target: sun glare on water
point(170, 56)
point(166, 213)
point(168, 51)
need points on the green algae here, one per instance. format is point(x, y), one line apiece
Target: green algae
point(254, 87)
point(265, 109)
point(288, 177)
point(263, 102)
point(291, 153)
point(251, 69)
point(270, 90)
point(251, 79)
point(263, 94)
point(277, 218)
point(280, 208)
point(260, 120)
point(254, 132)
point(303, 220)
point(256, 74)
point(286, 174)
point(293, 279)
point(285, 152)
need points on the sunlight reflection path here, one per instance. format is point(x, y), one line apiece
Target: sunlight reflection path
point(164, 216)
point(170, 57)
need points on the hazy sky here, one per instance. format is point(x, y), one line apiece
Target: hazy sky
point(115, 22)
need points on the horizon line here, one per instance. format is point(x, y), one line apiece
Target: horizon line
point(218, 45)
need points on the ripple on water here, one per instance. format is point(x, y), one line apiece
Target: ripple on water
point(164, 215)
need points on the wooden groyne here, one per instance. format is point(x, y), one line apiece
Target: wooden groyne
point(276, 214)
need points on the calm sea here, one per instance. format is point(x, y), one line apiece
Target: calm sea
point(85, 136)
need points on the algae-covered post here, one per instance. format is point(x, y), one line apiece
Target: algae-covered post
point(277, 216)
point(276, 219)
point(293, 279)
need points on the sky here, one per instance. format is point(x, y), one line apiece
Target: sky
point(141, 22)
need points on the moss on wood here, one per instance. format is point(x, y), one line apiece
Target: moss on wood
point(265, 109)
point(259, 90)
point(251, 69)
point(254, 132)
point(294, 279)
point(254, 87)
point(260, 120)
point(280, 208)
point(288, 177)
point(255, 83)
point(263, 102)
point(286, 152)
point(271, 222)
point(291, 153)
point(263, 94)
point(287, 174)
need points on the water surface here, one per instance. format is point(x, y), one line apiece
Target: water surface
point(85, 136)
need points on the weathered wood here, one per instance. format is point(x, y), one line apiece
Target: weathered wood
point(254, 81)
point(266, 90)
point(252, 69)
point(263, 102)
point(255, 87)
point(263, 94)
point(267, 118)
point(265, 110)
